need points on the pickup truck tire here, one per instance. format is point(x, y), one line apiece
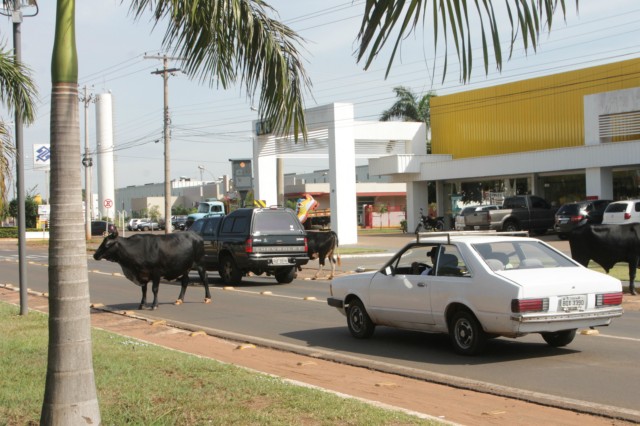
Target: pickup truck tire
point(229, 272)
point(510, 226)
point(285, 275)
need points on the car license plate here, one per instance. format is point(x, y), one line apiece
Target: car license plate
point(564, 220)
point(280, 261)
point(573, 303)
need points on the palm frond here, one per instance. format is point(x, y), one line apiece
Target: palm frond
point(223, 41)
point(17, 89)
point(451, 19)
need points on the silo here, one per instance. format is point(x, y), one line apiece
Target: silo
point(104, 142)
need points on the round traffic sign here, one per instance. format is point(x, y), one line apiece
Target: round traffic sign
point(108, 203)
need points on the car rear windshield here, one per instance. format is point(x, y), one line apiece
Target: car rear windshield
point(569, 209)
point(616, 208)
point(270, 222)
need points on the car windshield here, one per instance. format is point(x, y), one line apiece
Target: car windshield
point(502, 255)
point(616, 208)
point(569, 209)
point(276, 222)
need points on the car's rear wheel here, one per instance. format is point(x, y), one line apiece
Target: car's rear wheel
point(466, 334)
point(285, 275)
point(229, 272)
point(358, 320)
point(559, 338)
point(511, 226)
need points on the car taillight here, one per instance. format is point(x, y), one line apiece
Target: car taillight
point(306, 246)
point(576, 218)
point(627, 216)
point(248, 245)
point(529, 305)
point(609, 299)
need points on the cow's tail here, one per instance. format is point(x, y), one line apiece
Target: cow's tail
point(337, 248)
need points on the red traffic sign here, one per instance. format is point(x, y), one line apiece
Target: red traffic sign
point(108, 203)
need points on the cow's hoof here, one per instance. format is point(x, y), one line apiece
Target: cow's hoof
point(141, 307)
point(178, 302)
point(153, 308)
point(633, 292)
point(207, 300)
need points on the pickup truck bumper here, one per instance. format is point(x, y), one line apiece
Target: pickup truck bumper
point(267, 262)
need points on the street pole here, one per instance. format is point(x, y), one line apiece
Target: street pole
point(87, 163)
point(167, 138)
point(22, 261)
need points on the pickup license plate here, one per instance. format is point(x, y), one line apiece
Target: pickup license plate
point(280, 261)
point(573, 303)
point(564, 220)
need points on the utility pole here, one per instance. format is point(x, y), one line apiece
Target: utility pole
point(165, 72)
point(16, 17)
point(87, 162)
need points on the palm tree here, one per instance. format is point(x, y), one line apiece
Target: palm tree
point(223, 41)
point(451, 20)
point(17, 91)
point(408, 108)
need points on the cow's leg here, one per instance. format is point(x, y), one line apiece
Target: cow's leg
point(320, 266)
point(202, 271)
point(332, 261)
point(143, 302)
point(156, 286)
point(184, 281)
point(633, 266)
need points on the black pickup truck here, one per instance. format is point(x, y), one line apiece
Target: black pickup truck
point(520, 212)
point(268, 240)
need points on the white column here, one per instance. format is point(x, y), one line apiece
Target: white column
point(264, 173)
point(342, 169)
point(104, 142)
point(599, 182)
point(417, 198)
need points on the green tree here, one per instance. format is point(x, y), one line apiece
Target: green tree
point(17, 92)
point(222, 41)
point(409, 108)
point(396, 20)
point(30, 210)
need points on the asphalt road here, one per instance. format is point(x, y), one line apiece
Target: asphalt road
point(600, 371)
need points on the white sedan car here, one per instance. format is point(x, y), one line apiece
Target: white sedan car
point(479, 287)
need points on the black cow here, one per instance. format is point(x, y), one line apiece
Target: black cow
point(322, 245)
point(146, 257)
point(608, 245)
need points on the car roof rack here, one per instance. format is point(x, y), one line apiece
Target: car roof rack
point(424, 235)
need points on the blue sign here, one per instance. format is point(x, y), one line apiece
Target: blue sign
point(41, 156)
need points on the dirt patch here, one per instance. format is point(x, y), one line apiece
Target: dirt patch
point(440, 401)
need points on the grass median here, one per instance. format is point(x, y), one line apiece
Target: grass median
point(140, 383)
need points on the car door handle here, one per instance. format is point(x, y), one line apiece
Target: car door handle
point(422, 284)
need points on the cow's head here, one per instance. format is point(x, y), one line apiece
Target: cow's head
point(108, 248)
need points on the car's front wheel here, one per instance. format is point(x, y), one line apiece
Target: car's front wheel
point(466, 334)
point(285, 275)
point(558, 339)
point(229, 272)
point(358, 320)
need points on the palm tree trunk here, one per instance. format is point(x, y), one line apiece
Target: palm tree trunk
point(70, 392)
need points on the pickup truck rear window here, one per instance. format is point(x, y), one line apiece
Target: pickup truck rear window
point(276, 222)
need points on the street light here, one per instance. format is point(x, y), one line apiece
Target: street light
point(201, 168)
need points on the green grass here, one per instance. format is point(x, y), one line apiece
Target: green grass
point(619, 271)
point(142, 384)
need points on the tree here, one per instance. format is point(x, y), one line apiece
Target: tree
point(451, 18)
point(30, 210)
point(222, 41)
point(17, 92)
point(408, 108)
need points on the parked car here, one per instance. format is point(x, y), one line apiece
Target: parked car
point(148, 225)
point(627, 211)
point(571, 215)
point(482, 286)
point(519, 212)
point(179, 222)
point(102, 227)
point(132, 225)
point(459, 220)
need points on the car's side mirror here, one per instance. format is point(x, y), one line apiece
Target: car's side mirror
point(388, 270)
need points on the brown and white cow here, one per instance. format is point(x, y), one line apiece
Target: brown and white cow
point(322, 245)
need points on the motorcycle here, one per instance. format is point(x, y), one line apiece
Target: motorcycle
point(428, 223)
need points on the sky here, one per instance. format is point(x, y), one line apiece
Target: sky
point(210, 125)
